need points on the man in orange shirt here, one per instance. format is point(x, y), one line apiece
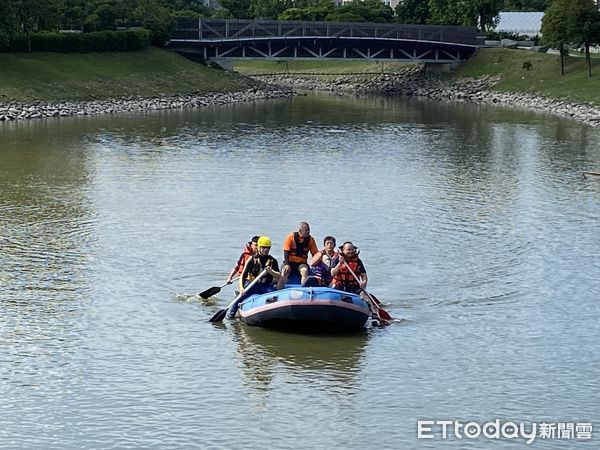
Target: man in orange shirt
point(295, 254)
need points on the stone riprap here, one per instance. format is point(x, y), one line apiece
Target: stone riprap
point(37, 110)
point(414, 82)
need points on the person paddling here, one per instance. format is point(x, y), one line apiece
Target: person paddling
point(259, 261)
point(343, 279)
point(249, 250)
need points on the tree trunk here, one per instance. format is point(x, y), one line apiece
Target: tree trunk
point(561, 50)
point(28, 38)
point(588, 60)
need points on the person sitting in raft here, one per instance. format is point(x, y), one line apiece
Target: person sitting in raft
point(295, 254)
point(343, 279)
point(322, 263)
point(260, 261)
point(249, 250)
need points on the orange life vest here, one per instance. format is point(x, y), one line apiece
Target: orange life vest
point(299, 251)
point(245, 256)
point(344, 279)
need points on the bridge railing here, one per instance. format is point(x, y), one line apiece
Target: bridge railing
point(206, 30)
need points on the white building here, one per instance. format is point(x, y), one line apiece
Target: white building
point(524, 23)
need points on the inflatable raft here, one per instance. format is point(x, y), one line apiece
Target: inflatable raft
point(298, 307)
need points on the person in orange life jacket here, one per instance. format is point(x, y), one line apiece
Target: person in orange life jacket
point(342, 277)
point(295, 254)
point(260, 261)
point(249, 250)
point(322, 263)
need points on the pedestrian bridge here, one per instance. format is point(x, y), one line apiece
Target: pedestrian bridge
point(212, 39)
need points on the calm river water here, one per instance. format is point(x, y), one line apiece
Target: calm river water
point(475, 226)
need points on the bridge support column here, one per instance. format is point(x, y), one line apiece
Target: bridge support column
point(440, 67)
point(224, 64)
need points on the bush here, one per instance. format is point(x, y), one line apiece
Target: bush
point(499, 35)
point(97, 41)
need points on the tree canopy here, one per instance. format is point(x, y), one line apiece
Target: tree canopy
point(571, 23)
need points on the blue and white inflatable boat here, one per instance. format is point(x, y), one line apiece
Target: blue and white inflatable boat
point(312, 308)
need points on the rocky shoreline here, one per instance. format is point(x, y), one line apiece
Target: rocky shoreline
point(410, 82)
point(38, 110)
point(413, 82)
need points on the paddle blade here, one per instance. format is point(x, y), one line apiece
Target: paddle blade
point(210, 292)
point(219, 316)
point(384, 315)
point(375, 299)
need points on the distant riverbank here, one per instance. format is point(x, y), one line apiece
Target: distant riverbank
point(512, 77)
point(414, 82)
point(44, 85)
point(59, 85)
point(38, 110)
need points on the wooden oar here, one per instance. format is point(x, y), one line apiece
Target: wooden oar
point(220, 314)
point(382, 314)
point(590, 173)
point(213, 290)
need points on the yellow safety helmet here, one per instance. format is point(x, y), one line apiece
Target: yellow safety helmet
point(264, 241)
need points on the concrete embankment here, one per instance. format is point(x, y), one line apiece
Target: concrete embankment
point(37, 110)
point(414, 82)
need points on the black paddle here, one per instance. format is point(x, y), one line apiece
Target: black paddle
point(590, 173)
point(222, 313)
point(382, 314)
point(213, 290)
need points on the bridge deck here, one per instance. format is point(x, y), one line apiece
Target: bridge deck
point(244, 39)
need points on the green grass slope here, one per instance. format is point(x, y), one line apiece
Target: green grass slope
point(543, 77)
point(147, 73)
point(317, 67)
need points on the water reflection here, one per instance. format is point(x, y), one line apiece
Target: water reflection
point(333, 360)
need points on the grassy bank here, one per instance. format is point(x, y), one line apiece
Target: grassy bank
point(147, 73)
point(154, 72)
point(317, 67)
point(543, 77)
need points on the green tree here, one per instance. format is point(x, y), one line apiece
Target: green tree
point(555, 29)
point(412, 11)
point(73, 14)
point(448, 12)
point(362, 11)
point(311, 13)
point(525, 5)
point(239, 9)
point(8, 21)
point(584, 27)
point(268, 9)
point(482, 14)
point(37, 15)
point(156, 18)
point(485, 12)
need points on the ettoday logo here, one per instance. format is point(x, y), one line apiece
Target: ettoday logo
point(497, 429)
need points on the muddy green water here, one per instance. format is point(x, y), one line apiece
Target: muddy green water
point(474, 224)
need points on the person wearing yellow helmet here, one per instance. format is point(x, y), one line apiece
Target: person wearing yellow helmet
point(260, 261)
